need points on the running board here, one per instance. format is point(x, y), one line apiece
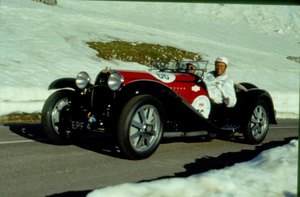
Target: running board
point(184, 134)
point(230, 127)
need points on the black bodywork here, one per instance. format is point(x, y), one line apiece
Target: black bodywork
point(105, 105)
point(140, 111)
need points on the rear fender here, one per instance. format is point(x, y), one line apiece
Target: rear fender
point(63, 83)
point(248, 86)
point(253, 95)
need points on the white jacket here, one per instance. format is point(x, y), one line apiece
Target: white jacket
point(220, 89)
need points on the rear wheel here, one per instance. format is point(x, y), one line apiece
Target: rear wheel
point(256, 129)
point(140, 127)
point(53, 116)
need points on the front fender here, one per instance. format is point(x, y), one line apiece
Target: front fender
point(153, 88)
point(175, 106)
point(63, 83)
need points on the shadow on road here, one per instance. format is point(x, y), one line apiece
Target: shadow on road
point(95, 142)
point(32, 131)
point(71, 194)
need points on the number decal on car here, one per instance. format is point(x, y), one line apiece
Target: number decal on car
point(202, 104)
point(164, 77)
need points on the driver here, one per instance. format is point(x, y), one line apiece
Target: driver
point(219, 85)
point(191, 68)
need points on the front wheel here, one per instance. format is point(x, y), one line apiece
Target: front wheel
point(53, 116)
point(140, 127)
point(256, 129)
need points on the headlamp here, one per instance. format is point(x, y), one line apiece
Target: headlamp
point(115, 81)
point(82, 80)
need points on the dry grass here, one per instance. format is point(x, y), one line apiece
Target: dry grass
point(294, 58)
point(142, 53)
point(21, 118)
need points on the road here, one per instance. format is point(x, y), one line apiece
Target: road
point(31, 166)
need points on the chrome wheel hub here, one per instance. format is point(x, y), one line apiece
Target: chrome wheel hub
point(55, 115)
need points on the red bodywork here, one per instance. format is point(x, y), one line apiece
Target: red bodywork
point(184, 84)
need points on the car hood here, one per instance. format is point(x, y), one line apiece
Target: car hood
point(156, 75)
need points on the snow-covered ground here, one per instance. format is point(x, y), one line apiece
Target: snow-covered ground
point(40, 43)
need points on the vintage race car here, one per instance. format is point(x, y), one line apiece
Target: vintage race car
point(138, 108)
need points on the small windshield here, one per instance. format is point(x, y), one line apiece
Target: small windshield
point(199, 66)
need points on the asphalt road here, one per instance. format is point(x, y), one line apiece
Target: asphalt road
point(31, 166)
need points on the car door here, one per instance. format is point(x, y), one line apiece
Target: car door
point(194, 92)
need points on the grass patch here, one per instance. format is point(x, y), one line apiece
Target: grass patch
point(21, 117)
point(142, 53)
point(294, 58)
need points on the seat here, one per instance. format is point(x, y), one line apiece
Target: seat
point(239, 87)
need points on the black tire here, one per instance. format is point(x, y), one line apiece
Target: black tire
point(257, 126)
point(53, 119)
point(140, 127)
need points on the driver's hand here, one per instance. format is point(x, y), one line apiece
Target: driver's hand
point(227, 101)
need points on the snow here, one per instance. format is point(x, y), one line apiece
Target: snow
point(272, 173)
point(40, 43)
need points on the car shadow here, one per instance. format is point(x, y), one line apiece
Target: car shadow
point(32, 131)
point(194, 139)
point(95, 142)
point(99, 143)
point(71, 194)
point(92, 141)
point(106, 145)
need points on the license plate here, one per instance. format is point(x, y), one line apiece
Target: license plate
point(78, 125)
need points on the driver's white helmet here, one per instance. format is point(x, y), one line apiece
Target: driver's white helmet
point(223, 60)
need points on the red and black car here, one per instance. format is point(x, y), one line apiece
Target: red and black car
point(138, 108)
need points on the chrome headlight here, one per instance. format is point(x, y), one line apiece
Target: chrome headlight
point(82, 80)
point(115, 81)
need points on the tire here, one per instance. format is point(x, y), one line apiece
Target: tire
point(140, 127)
point(256, 128)
point(53, 118)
